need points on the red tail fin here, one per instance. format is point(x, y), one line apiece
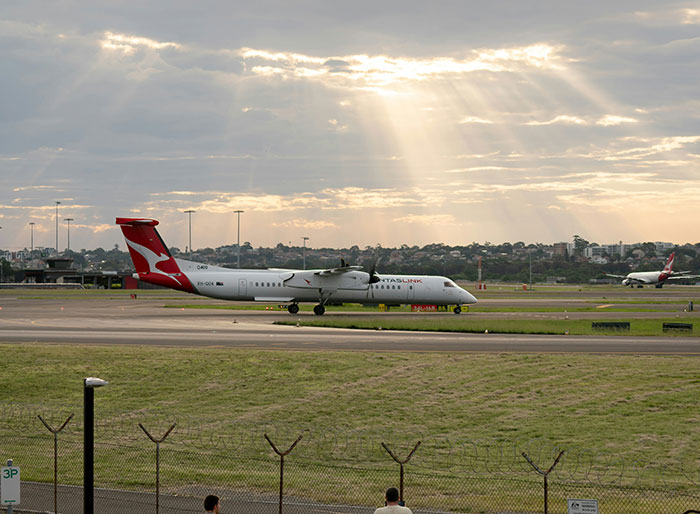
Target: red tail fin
point(150, 256)
point(669, 263)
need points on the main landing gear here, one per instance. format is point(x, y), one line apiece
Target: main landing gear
point(319, 310)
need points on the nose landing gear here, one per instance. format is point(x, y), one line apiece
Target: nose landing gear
point(457, 309)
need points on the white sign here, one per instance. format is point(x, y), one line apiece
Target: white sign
point(9, 485)
point(582, 506)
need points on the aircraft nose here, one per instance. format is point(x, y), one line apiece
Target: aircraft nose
point(467, 297)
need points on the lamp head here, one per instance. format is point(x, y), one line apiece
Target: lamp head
point(95, 382)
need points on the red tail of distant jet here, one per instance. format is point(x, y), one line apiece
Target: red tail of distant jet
point(668, 269)
point(153, 262)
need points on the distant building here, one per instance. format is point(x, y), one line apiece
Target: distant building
point(594, 252)
point(560, 249)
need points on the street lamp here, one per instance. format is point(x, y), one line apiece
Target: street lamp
point(57, 204)
point(68, 220)
point(238, 245)
point(189, 214)
point(304, 250)
point(89, 385)
point(31, 229)
point(2, 261)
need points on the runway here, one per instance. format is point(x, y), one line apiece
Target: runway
point(146, 322)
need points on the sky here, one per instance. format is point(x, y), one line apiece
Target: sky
point(382, 122)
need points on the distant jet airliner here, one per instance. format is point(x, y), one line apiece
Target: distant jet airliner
point(154, 264)
point(657, 278)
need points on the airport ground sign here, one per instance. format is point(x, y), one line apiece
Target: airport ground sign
point(9, 485)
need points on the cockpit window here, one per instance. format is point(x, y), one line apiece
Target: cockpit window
point(449, 284)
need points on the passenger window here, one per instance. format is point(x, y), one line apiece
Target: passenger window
point(398, 287)
point(256, 284)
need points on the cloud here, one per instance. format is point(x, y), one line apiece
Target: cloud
point(375, 71)
point(349, 198)
point(474, 119)
point(563, 119)
point(305, 223)
point(128, 44)
point(427, 219)
point(610, 120)
point(690, 16)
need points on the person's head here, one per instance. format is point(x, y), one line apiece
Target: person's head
point(211, 503)
point(392, 495)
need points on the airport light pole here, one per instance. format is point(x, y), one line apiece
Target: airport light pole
point(2, 271)
point(31, 231)
point(189, 213)
point(57, 204)
point(89, 385)
point(238, 245)
point(68, 220)
point(304, 250)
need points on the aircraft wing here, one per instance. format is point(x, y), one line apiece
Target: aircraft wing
point(337, 271)
point(680, 277)
point(615, 276)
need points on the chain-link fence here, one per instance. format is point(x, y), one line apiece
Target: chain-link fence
point(337, 471)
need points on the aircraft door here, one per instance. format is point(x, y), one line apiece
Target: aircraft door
point(242, 287)
point(411, 291)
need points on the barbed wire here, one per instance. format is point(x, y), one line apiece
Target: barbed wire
point(344, 445)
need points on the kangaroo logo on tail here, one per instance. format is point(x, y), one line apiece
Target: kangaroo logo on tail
point(669, 264)
point(152, 260)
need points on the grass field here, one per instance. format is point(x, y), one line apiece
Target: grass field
point(638, 412)
point(638, 327)
point(642, 407)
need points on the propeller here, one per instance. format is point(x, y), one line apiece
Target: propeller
point(373, 277)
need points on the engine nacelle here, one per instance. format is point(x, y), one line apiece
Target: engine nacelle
point(626, 282)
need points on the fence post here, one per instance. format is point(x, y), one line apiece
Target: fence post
point(157, 441)
point(545, 474)
point(282, 454)
point(401, 463)
point(55, 432)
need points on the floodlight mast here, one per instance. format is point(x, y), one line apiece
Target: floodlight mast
point(238, 244)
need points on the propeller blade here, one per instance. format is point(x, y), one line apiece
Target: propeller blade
point(373, 277)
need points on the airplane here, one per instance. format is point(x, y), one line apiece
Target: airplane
point(656, 278)
point(346, 284)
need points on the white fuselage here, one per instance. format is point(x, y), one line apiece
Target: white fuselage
point(645, 277)
point(307, 286)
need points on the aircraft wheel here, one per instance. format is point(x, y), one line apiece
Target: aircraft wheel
point(640, 286)
point(457, 309)
point(293, 308)
point(319, 310)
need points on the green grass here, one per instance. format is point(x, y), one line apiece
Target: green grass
point(636, 407)
point(576, 399)
point(638, 327)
